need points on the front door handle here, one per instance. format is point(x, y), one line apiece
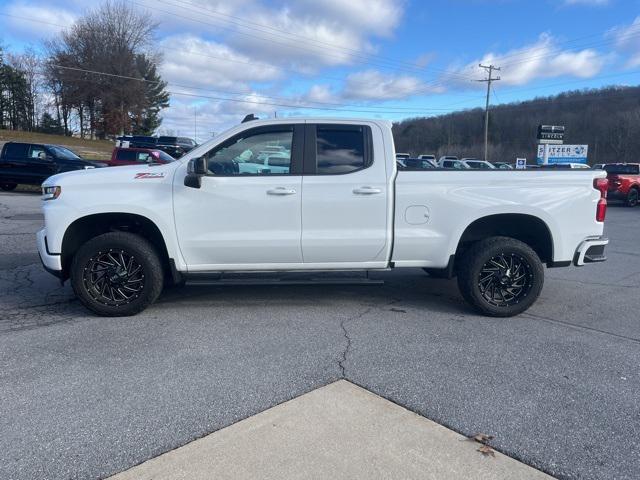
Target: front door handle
point(367, 191)
point(281, 191)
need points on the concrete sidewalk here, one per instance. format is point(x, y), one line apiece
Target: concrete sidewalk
point(339, 431)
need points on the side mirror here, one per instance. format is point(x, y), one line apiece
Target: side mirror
point(196, 169)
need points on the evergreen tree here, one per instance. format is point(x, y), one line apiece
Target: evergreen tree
point(48, 124)
point(146, 118)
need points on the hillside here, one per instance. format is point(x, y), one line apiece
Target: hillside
point(90, 149)
point(608, 120)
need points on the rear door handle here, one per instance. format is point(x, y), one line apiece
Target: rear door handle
point(367, 191)
point(281, 191)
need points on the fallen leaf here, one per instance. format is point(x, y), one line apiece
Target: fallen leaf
point(487, 450)
point(480, 437)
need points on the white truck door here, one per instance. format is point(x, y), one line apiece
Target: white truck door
point(345, 193)
point(247, 212)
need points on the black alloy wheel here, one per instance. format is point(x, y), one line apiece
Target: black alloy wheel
point(505, 280)
point(117, 274)
point(114, 277)
point(500, 276)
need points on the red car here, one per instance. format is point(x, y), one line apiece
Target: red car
point(136, 156)
point(624, 182)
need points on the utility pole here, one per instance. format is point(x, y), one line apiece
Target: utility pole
point(489, 79)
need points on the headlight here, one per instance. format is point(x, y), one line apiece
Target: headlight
point(51, 193)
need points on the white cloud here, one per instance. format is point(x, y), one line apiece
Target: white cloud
point(190, 60)
point(627, 41)
point(542, 59)
point(305, 35)
point(374, 85)
point(46, 20)
point(378, 17)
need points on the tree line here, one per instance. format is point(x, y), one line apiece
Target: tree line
point(98, 78)
point(606, 119)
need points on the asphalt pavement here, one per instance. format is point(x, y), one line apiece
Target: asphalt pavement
point(87, 397)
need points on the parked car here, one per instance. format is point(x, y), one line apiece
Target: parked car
point(175, 146)
point(560, 166)
point(400, 156)
point(32, 163)
point(476, 164)
point(431, 158)
point(503, 165)
point(624, 182)
point(136, 141)
point(340, 205)
point(599, 166)
point(137, 156)
point(413, 164)
point(447, 157)
point(452, 163)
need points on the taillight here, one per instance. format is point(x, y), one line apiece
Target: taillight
point(602, 185)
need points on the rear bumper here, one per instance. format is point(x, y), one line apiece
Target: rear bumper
point(590, 250)
point(52, 262)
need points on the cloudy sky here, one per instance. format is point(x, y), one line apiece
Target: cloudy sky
point(361, 58)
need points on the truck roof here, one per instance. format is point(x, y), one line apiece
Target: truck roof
point(272, 121)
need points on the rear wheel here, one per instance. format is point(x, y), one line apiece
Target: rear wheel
point(633, 197)
point(7, 187)
point(117, 274)
point(500, 276)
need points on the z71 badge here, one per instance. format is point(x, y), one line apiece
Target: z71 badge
point(149, 175)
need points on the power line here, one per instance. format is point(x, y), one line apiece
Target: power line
point(395, 109)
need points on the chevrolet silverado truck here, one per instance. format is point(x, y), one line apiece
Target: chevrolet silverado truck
point(296, 195)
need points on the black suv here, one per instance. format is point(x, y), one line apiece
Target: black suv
point(33, 163)
point(175, 146)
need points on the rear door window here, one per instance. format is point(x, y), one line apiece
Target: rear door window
point(16, 150)
point(341, 149)
point(126, 156)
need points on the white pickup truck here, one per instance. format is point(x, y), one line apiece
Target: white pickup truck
point(315, 194)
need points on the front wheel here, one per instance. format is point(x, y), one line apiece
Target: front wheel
point(632, 197)
point(500, 276)
point(117, 274)
point(7, 187)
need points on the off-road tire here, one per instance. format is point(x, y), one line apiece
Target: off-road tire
point(633, 197)
point(131, 246)
point(480, 257)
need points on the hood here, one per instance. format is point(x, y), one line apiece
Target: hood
point(114, 175)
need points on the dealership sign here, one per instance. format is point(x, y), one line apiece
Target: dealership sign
point(563, 153)
point(551, 134)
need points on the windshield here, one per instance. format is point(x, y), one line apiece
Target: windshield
point(165, 157)
point(622, 169)
point(63, 153)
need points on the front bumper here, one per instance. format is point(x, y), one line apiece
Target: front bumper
point(616, 195)
point(590, 250)
point(52, 262)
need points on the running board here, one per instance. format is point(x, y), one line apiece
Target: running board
point(235, 279)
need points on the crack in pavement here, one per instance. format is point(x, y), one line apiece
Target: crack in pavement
point(345, 333)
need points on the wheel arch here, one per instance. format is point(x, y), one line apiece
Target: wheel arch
point(90, 226)
point(527, 228)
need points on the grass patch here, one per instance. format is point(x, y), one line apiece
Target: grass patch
point(89, 149)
